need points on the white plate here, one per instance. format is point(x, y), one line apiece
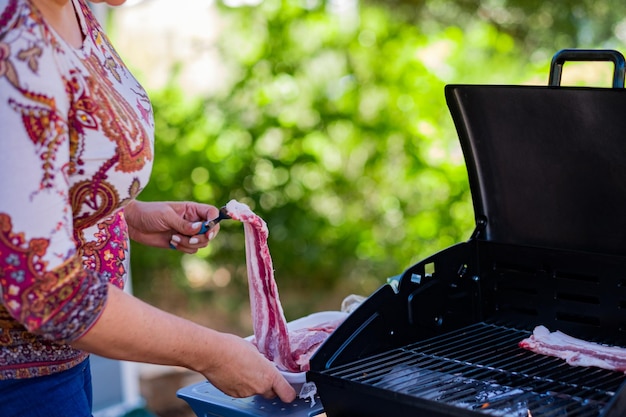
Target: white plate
point(298, 378)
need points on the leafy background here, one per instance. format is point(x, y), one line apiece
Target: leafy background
point(331, 124)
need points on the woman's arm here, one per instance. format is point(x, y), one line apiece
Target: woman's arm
point(130, 329)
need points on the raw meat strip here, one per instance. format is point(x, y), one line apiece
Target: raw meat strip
point(268, 319)
point(575, 352)
point(289, 351)
point(304, 342)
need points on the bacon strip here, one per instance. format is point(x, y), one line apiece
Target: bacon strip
point(304, 342)
point(290, 351)
point(268, 320)
point(575, 352)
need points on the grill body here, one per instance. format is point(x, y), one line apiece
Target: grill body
point(546, 170)
point(446, 343)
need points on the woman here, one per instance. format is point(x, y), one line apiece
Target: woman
point(76, 148)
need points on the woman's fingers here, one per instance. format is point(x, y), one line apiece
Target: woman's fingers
point(191, 244)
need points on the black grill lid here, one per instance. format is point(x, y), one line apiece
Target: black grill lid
point(546, 165)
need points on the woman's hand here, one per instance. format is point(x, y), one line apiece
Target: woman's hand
point(239, 370)
point(161, 224)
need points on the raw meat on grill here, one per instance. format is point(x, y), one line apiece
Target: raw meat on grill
point(575, 352)
point(290, 351)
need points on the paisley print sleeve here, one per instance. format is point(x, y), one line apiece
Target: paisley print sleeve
point(8, 14)
point(43, 283)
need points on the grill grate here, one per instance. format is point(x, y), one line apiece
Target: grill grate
point(481, 368)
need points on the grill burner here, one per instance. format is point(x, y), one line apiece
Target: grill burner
point(481, 368)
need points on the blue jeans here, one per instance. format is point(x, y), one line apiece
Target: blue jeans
point(64, 394)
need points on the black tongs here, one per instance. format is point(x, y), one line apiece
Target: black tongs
point(208, 225)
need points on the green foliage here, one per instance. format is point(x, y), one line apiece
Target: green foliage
point(334, 129)
point(539, 27)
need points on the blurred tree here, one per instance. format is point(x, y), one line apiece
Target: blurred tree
point(536, 26)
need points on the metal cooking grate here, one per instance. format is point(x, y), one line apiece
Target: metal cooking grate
point(481, 368)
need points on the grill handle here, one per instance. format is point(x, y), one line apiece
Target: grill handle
point(556, 67)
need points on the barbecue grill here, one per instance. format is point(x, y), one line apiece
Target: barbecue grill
point(547, 172)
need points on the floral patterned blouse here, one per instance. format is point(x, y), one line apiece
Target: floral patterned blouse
point(76, 145)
